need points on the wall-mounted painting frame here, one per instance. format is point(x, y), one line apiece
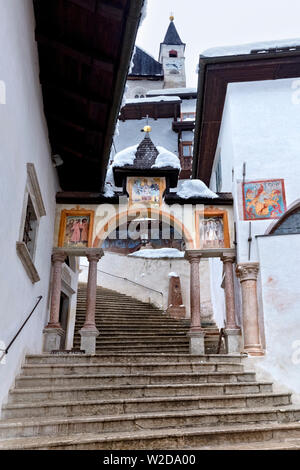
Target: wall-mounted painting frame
point(263, 199)
point(146, 190)
point(76, 228)
point(212, 231)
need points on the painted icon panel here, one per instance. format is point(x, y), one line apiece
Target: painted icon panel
point(264, 199)
point(76, 229)
point(146, 190)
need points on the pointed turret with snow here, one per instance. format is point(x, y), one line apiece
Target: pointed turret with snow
point(171, 56)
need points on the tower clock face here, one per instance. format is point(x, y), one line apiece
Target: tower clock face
point(173, 66)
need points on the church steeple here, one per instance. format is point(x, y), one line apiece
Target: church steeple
point(172, 37)
point(171, 56)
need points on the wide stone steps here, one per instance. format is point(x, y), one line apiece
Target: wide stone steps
point(142, 390)
point(130, 368)
point(166, 438)
point(155, 378)
point(205, 360)
point(117, 406)
point(132, 423)
point(134, 391)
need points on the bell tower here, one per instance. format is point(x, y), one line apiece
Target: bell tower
point(171, 56)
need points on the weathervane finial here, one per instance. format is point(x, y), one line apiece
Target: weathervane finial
point(171, 16)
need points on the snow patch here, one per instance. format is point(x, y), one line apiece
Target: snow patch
point(158, 253)
point(166, 159)
point(172, 91)
point(194, 188)
point(247, 48)
point(125, 157)
point(173, 274)
point(154, 99)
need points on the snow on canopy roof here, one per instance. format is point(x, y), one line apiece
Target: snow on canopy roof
point(125, 157)
point(158, 253)
point(247, 48)
point(165, 158)
point(172, 91)
point(155, 99)
point(194, 188)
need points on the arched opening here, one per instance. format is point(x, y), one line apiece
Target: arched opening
point(164, 231)
point(289, 222)
point(172, 53)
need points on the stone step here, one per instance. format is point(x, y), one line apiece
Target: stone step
point(104, 392)
point(140, 341)
point(166, 438)
point(164, 347)
point(142, 405)
point(30, 381)
point(142, 332)
point(54, 426)
point(129, 368)
point(133, 358)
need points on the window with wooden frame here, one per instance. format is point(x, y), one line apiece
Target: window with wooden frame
point(186, 149)
point(188, 116)
point(33, 210)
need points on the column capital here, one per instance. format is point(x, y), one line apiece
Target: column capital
point(94, 254)
point(193, 256)
point(58, 256)
point(228, 258)
point(247, 271)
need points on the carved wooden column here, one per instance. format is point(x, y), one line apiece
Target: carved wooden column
point(89, 331)
point(196, 332)
point(232, 331)
point(53, 331)
point(247, 272)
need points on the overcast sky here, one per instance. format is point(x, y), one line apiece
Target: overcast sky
point(212, 23)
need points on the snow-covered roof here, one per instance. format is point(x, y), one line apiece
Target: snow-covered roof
point(247, 48)
point(188, 106)
point(155, 99)
point(194, 188)
point(172, 91)
point(158, 253)
point(166, 159)
point(125, 157)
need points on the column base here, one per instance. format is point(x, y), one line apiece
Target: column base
point(176, 311)
point(88, 340)
point(254, 350)
point(197, 346)
point(233, 341)
point(52, 338)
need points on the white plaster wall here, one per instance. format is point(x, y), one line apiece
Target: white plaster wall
point(24, 138)
point(135, 86)
point(281, 307)
point(261, 126)
point(152, 273)
point(161, 134)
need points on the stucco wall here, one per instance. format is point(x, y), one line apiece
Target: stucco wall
point(280, 276)
point(261, 127)
point(24, 138)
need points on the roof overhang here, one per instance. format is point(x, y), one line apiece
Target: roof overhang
point(154, 109)
point(85, 47)
point(214, 75)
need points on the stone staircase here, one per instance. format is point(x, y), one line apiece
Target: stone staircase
point(127, 324)
point(139, 397)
